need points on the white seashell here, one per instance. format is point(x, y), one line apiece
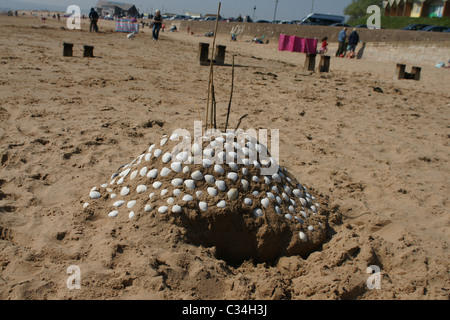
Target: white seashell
point(150, 149)
point(113, 214)
point(177, 182)
point(285, 197)
point(232, 155)
point(95, 195)
point(255, 193)
point(287, 190)
point(299, 220)
point(303, 202)
point(275, 189)
point(294, 203)
point(170, 201)
point(182, 156)
point(131, 204)
point(246, 162)
point(157, 185)
point(197, 175)
point(222, 204)
point(176, 192)
point(163, 142)
point(209, 178)
point(255, 179)
point(151, 195)
point(232, 176)
point(233, 166)
point(164, 192)
point(148, 156)
point(297, 193)
point(220, 139)
point(219, 169)
point(302, 236)
point(276, 177)
point(265, 202)
point(266, 180)
point(244, 171)
point(152, 173)
point(190, 184)
point(173, 137)
point(233, 194)
point(277, 209)
point(131, 215)
point(196, 149)
point(221, 185)
point(221, 157)
point(109, 190)
point(143, 171)
point(186, 169)
point(125, 173)
point(105, 185)
point(187, 198)
point(176, 209)
point(166, 157)
point(313, 208)
point(245, 184)
point(258, 212)
point(279, 200)
point(270, 195)
point(157, 153)
point(198, 193)
point(164, 172)
point(212, 191)
point(120, 181)
point(141, 188)
point(113, 195)
point(288, 216)
point(85, 205)
point(176, 166)
point(203, 206)
point(310, 228)
point(148, 208)
point(248, 201)
point(304, 214)
point(208, 153)
point(291, 209)
point(256, 164)
point(118, 203)
point(133, 174)
point(163, 209)
point(125, 191)
point(206, 163)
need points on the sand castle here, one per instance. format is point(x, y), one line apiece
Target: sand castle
point(214, 188)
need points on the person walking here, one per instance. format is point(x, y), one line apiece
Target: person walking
point(157, 23)
point(342, 38)
point(353, 41)
point(93, 16)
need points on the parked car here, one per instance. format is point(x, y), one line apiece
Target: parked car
point(321, 19)
point(448, 30)
point(262, 21)
point(340, 25)
point(435, 29)
point(415, 27)
point(361, 26)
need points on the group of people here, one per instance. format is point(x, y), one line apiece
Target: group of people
point(347, 47)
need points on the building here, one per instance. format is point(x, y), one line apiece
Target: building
point(112, 8)
point(417, 8)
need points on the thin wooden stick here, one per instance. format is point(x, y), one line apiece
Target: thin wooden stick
point(231, 96)
point(211, 76)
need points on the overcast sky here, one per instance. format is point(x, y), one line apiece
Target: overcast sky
point(265, 9)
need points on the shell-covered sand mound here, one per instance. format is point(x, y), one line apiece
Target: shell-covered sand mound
point(218, 189)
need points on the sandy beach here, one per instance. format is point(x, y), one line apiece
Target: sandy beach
point(374, 149)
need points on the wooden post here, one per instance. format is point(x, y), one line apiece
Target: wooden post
point(88, 52)
point(68, 49)
point(220, 56)
point(203, 53)
point(324, 65)
point(416, 73)
point(310, 62)
point(400, 71)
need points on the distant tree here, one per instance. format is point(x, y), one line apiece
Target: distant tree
point(358, 8)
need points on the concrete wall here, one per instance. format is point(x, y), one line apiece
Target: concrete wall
point(272, 31)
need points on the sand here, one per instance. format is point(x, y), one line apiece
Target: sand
point(378, 160)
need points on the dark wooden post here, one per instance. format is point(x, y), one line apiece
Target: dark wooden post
point(400, 71)
point(203, 53)
point(324, 65)
point(220, 56)
point(68, 49)
point(88, 52)
point(416, 73)
point(310, 62)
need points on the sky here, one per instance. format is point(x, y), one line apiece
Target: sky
point(265, 9)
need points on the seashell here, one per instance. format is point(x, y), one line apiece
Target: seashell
point(255, 193)
point(125, 172)
point(206, 163)
point(197, 175)
point(221, 185)
point(209, 178)
point(275, 189)
point(299, 220)
point(95, 195)
point(133, 174)
point(244, 171)
point(233, 194)
point(177, 182)
point(164, 172)
point(255, 179)
point(265, 202)
point(233, 166)
point(163, 209)
point(219, 169)
point(157, 153)
point(148, 156)
point(310, 228)
point(131, 215)
point(190, 184)
point(277, 209)
point(176, 167)
point(163, 142)
point(266, 180)
point(303, 202)
point(302, 236)
point(113, 195)
point(85, 205)
point(148, 208)
point(186, 169)
point(141, 188)
point(246, 162)
point(248, 201)
point(232, 176)
point(287, 190)
point(196, 149)
point(131, 204)
point(187, 198)
point(152, 173)
point(176, 209)
point(164, 192)
point(143, 171)
point(203, 206)
point(118, 203)
point(174, 137)
point(113, 214)
point(208, 153)
point(176, 192)
point(198, 193)
point(222, 204)
point(276, 177)
point(288, 216)
point(182, 156)
point(166, 157)
point(120, 181)
point(150, 149)
point(170, 201)
point(151, 195)
point(125, 191)
point(270, 195)
point(258, 213)
point(245, 184)
point(297, 193)
point(291, 209)
point(313, 208)
point(212, 191)
point(157, 185)
point(304, 214)
point(279, 200)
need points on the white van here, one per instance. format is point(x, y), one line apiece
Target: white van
point(321, 19)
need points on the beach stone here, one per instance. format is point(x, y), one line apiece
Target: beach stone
point(118, 203)
point(212, 191)
point(248, 201)
point(95, 195)
point(197, 175)
point(125, 191)
point(131, 215)
point(218, 169)
point(176, 166)
point(203, 206)
point(209, 178)
point(221, 185)
point(163, 209)
point(190, 184)
point(113, 214)
point(176, 209)
point(166, 157)
point(141, 188)
point(131, 204)
point(222, 204)
point(177, 182)
point(152, 173)
point(147, 208)
point(164, 172)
